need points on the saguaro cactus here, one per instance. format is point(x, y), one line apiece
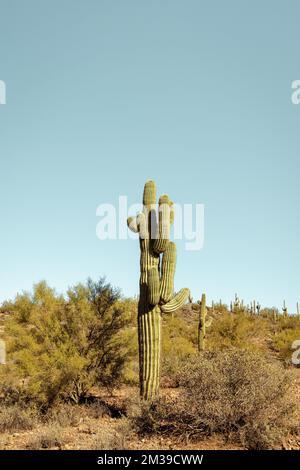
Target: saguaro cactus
point(236, 303)
point(202, 323)
point(157, 270)
point(284, 309)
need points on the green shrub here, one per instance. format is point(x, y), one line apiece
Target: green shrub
point(60, 347)
point(178, 344)
point(238, 330)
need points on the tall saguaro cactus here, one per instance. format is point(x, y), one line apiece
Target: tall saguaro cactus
point(157, 270)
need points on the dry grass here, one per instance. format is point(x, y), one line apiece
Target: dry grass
point(16, 418)
point(50, 437)
point(113, 439)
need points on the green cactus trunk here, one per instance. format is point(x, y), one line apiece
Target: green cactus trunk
point(202, 324)
point(284, 309)
point(157, 270)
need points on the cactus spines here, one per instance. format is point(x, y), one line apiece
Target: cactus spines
point(156, 288)
point(202, 324)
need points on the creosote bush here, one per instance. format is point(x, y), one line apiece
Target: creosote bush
point(235, 393)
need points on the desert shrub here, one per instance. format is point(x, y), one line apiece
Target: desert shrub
point(270, 313)
point(178, 343)
point(60, 347)
point(113, 439)
point(51, 436)
point(97, 409)
point(16, 418)
point(238, 330)
point(133, 406)
point(236, 393)
point(220, 307)
point(65, 414)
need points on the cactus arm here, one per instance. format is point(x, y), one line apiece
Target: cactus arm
point(163, 236)
point(133, 224)
point(168, 273)
point(172, 212)
point(149, 195)
point(177, 301)
point(143, 227)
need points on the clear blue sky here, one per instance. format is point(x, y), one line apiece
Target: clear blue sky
point(103, 95)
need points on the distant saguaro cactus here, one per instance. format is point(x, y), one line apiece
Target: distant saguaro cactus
point(157, 270)
point(236, 303)
point(284, 309)
point(203, 323)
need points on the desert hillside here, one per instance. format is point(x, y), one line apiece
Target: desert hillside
point(71, 376)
